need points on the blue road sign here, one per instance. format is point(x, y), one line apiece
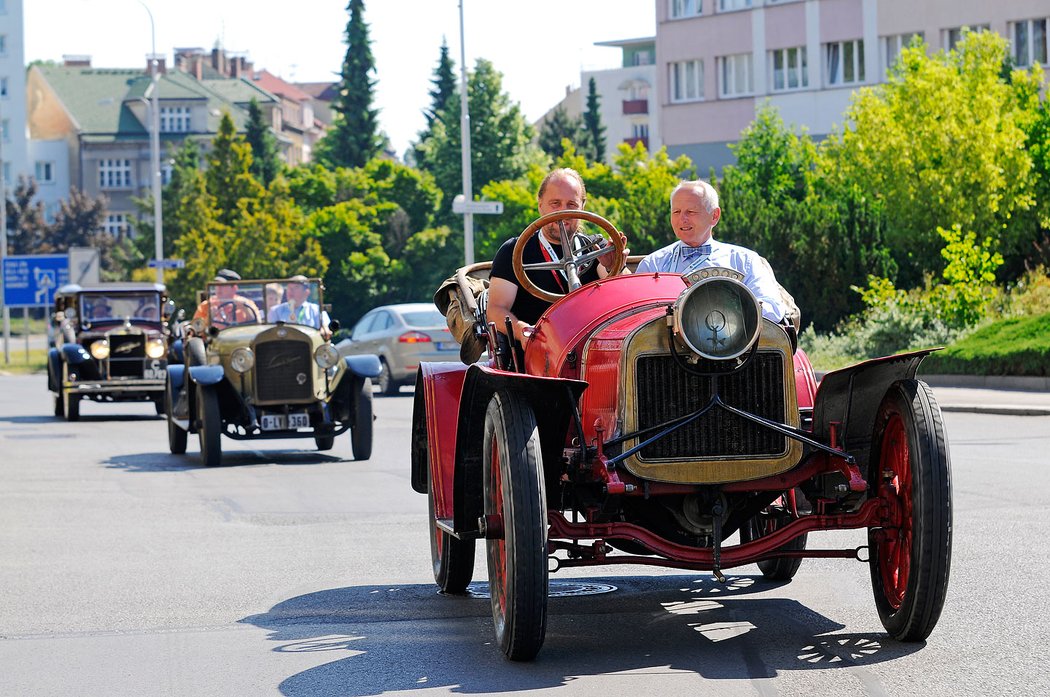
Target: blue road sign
point(166, 263)
point(30, 280)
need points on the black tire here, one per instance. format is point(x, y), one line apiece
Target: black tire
point(514, 491)
point(70, 400)
point(361, 429)
point(176, 435)
point(388, 386)
point(451, 557)
point(210, 431)
point(911, 472)
point(324, 442)
point(769, 521)
point(158, 405)
point(60, 409)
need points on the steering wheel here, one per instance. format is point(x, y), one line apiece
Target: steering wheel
point(576, 260)
point(231, 318)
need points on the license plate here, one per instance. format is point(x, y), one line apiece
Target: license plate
point(447, 346)
point(282, 422)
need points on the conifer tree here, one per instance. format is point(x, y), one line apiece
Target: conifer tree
point(266, 162)
point(592, 122)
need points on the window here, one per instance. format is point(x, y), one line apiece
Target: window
point(5, 132)
point(116, 224)
point(45, 172)
point(640, 130)
point(892, 45)
point(641, 58)
point(3, 87)
point(114, 174)
point(1029, 42)
point(685, 8)
point(166, 170)
point(687, 81)
point(844, 62)
point(789, 69)
point(175, 119)
point(729, 5)
point(3, 44)
point(955, 35)
point(737, 76)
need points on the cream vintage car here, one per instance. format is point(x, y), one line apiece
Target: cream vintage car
point(256, 362)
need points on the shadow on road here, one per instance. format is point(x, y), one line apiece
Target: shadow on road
point(389, 638)
point(166, 462)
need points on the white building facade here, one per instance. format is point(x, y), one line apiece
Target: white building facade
point(15, 150)
point(718, 61)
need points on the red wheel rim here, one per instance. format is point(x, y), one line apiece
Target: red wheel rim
point(498, 547)
point(896, 489)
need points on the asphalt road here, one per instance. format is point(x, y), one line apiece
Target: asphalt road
point(127, 570)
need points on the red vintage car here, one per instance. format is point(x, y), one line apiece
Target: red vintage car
point(655, 416)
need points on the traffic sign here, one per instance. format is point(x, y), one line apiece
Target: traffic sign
point(482, 207)
point(166, 263)
point(30, 280)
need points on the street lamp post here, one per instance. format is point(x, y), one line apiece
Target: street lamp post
point(464, 128)
point(154, 149)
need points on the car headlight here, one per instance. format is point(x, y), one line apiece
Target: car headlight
point(155, 348)
point(242, 359)
point(717, 318)
point(100, 349)
point(326, 356)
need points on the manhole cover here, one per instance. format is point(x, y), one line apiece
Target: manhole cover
point(556, 589)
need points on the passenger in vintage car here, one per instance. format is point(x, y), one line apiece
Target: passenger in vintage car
point(240, 310)
point(561, 189)
point(694, 214)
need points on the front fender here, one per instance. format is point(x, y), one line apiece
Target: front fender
point(851, 397)
point(553, 401)
point(176, 374)
point(206, 374)
point(364, 365)
point(435, 414)
point(75, 354)
point(177, 355)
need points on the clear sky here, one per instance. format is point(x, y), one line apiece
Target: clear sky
point(540, 46)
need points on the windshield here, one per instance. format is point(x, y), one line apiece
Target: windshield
point(102, 307)
point(427, 318)
point(251, 302)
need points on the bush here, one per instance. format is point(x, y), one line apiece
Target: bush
point(1015, 346)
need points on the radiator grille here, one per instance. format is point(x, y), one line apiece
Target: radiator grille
point(127, 355)
point(283, 371)
point(665, 392)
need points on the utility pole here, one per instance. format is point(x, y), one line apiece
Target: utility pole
point(3, 248)
point(464, 128)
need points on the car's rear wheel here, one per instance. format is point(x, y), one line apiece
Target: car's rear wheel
point(514, 495)
point(158, 405)
point(176, 435)
point(70, 399)
point(767, 522)
point(361, 428)
point(451, 557)
point(210, 431)
point(388, 386)
point(911, 473)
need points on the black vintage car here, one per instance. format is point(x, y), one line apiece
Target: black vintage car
point(110, 345)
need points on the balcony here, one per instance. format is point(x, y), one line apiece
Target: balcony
point(635, 106)
point(634, 141)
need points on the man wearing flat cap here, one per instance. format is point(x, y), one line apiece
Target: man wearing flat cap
point(225, 307)
point(298, 309)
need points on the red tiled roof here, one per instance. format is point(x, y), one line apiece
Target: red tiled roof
point(271, 83)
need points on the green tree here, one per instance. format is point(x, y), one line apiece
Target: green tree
point(443, 90)
point(354, 136)
point(228, 177)
point(500, 139)
point(266, 161)
point(941, 143)
point(78, 223)
point(592, 124)
point(560, 126)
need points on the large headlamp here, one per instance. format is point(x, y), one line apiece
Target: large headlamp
point(100, 349)
point(717, 318)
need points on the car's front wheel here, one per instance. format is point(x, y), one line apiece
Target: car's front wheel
point(210, 431)
point(388, 386)
point(911, 474)
point(70, 399)
point(515, 497)
point(176, 436)
point(361, 428)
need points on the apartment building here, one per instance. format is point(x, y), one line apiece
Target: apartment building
point(90, 127)
point(14, 148)
point(719, 60)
